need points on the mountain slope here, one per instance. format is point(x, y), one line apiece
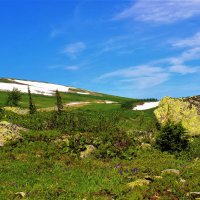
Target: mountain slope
point(43, 93)
point(43, 88)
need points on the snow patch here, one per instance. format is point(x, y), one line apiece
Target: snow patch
point(77, 103)
point(147, 105)
point(47, 89)
point(110, 102)
point(86, 93)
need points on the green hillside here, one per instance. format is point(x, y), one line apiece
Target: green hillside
point(93, 151)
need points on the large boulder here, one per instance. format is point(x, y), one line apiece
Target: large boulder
point(184, 110)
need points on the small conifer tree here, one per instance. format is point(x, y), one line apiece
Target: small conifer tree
point(14, 97)
point(172, 138)
point(32, 107)
point(59, 102)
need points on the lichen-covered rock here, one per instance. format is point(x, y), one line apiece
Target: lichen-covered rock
point(139, 182)
point(19, 111)
point(63, 139)
point(20, 194)
point(8, 132)
point(145, 146)
point(171, 171)
point(88, 151)
point(179, 110)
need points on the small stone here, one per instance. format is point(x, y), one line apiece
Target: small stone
point(20, 194)
point(171, 171)
point(182, 180)
point(149, 178)
point(145, 146)
point(195, 194)
point(88, 151)
point(139, 182)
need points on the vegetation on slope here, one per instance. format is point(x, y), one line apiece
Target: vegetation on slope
point(98, 151)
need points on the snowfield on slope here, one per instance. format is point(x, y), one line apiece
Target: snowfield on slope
point(147, 105)
point(35, 87)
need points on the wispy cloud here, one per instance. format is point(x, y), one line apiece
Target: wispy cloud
point(193, 41)
point(153, 73)
point(74, 48)
point(117, 44)
point(160, 11)
point(188, 55)
point(64, 67)
point(55, 32)
point(144, 76)
point(72, 68)
point(182, 69)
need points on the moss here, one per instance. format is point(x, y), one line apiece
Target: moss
point(179, 110)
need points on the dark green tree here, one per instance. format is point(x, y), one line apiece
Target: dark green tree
point(172, 138)
point(32, 107)
point(14, 97)
point(59, 102)
point(127, 105)
point(2, 113)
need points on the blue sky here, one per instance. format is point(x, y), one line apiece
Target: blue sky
point(133, 48)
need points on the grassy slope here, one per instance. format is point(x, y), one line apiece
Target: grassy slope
point(48, 101)
point(44, 170)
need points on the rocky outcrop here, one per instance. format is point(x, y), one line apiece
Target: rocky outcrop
point(184, 110)
point(9, 132)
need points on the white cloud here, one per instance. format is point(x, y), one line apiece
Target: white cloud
point(72, 68)
point(193, 41)
point(134, 71)
point(182, 69)
point(188, 55)
point(74, 48)
point(55, 33)
point(146, 76)
point(142, 76)
point(161, 11)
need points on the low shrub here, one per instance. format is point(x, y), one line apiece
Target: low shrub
point(172, 138)
point(118, 144)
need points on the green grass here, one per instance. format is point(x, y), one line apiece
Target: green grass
point(44, 166)
point(44, 171)
point(42, 101)
point(101, 107)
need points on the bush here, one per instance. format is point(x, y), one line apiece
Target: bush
point(127, 105)
point(117, 144)
point(14, 97)
point(172, 138)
